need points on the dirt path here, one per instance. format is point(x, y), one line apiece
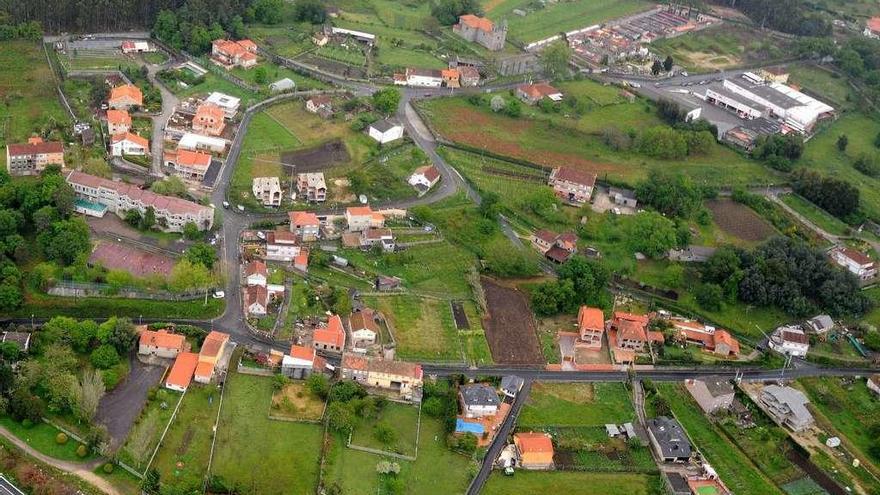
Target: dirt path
point(81, 469)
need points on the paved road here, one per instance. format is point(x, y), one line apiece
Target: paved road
point(169, 103)
point(500, 440)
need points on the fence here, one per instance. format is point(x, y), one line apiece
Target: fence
point(65, 288)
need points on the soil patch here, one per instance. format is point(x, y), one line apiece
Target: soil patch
point(184, 443)
point(461, 319)
point(510, 327)
point(294, 401)
point(316, 158)
point(739, 220)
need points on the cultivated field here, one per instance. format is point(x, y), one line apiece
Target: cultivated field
point(739, 221)
point(510, 326)
point(722, 47)
point(531, 482)
point(403, 419)
point(577, 404)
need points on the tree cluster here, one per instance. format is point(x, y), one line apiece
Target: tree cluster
point(789, 16)
point(788, 274)
point(580, 281)
point(312, 11)
point(673, 195)
point(858, 57)
point(447, 11)
point(779, 151)
point(836, 196)
point(386, 100)
point(30, 30)
point(670, 143)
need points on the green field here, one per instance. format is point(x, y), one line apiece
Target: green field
point(577, 404)
point(423, 328)
point(260, 455)
point(212, 83)
point(829, 87)
point(817, 215)
point(274, 73)
point(721, 47)
point(145, 434)
point(734, 467)
point(531, 482)
point(183, 458)
point(401, 418)
point(42, 438)
point(558, 16)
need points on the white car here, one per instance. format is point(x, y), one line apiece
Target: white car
point(261, 235)
point(218, 294)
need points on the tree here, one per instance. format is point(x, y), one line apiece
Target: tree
point(201, 253)
point(497, 103)
point(513, 108)
point(448, 11)
point(261, 76)
point(149, 218)
point(867, 164)
point(123, 336)
point(141, 439)
point(187, 275)
point(312, 11)
point(104, 357)
point(651, 234)
point(668, 63)
point(191, 231)
point(269, 11)
point(656, 67)
point(318, 385)
point(170, 186)
point(877, 140)
point(340, 417)
point(589, 279)
point(91, 390)
point(836, 196)
point(65, 240)
point(674, 195)
point(489, 204)
point(709, 297)
point(133, 218)
point(82, 335)
point(386, 100)
point(662, 142)
point(555, 60)
point(10, 297)
point(842, 142)
point(384, 434)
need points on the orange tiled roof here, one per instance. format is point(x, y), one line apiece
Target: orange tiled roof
point(359, 211)
point(534, 442)
point(162, 339)
point(118, 117)
point(127, 90)
point(333, 334)
point(303, 218)
point(590, 318)
point(473, 21)
point(182, 371)
point(195, 159)
point(874, 24)
point(449, 73)
point(723, 336)
point(134, 138)
point(212, 344)
point(300, 352)
point(205, 369)
point(256, 268)
point(209, 111)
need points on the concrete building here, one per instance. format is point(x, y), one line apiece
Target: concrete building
point(229, 104)
point(197, 142)
point(482, 31)
point(591, 327)
point(712, 393)
point(423, 78)
point(572, 186)
point(305, 224)
point(172, 213)
point(478, 400)
point(790, 340)
point(190, 165)
point(819, 324)
point(32, 157)
point(787, 406)
point(311, 187)
point(669, 440)
point(385, 131)
point(209, 120)
point(267, 190)
point(360, 218)
point(400, 377)
point(160, 343)
point(855, 262)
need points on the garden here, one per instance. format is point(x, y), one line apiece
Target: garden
point(577, 404)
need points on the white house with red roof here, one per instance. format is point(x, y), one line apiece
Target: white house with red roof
point(533, 93)
point(126, 96)
point(571, 185)
point(591, 327)
point(118, 122)
point(191, 165)
point(555, 247)
point(256, 273)
point(129, 144)
point(360, 218)
point(424, 178)
point(133, 46)
point(855, 262)
point(301, 362)
point(872, 28)
point(790, 340)
point(282, 245)
point(229, 54)
point(305, 224)
point(330, 338)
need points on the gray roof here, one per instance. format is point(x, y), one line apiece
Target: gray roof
point(511, 384)
point(626, 193)
point(717, 385)
point(821, 322)
point(383, 125)
point(678, 483)
point(479, 394)
point(283, 84)
point(670, 437)
point(791, 397)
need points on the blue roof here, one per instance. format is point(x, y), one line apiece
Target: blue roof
point(462, 426)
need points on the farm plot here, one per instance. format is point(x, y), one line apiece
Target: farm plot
point(590, 449)
point(394, 429)
point(317, 158)
point(422, 328)
point(510, 326)
point(296, 402)
point(577, 404)
point(739, 221)
point(459, 315)
point(531, 482)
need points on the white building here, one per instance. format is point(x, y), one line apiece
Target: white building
point(197, 142)
point(478, 400)
point(425, 177)
point(361, 218)
point(229, 104)
point(424, 78)
point(136, 47)
point(385, 131)
point(358, 35)
point(129, 144)
point(282, 245)
point(256, 273)
point(267, 190)
point(790, 341)
point(855, 262)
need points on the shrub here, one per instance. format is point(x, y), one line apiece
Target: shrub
point(82, 451)
point(108, 467)
point(27, 423)
point(61, 438)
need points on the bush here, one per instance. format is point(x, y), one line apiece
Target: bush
point(27, 423)
point(61, 438)
point(105, 357)
point(82, 451)
point(108, 467)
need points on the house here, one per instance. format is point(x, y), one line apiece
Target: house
point(397, 376)
point(32, 157)
point(118, 122)
point(511, 385)
point(572, 186)
point(229, 104)
point(716, 341)
point(622, 197)
point(787, 406)
point(381, 236)
point(267, 190)
point(820, 324)
point(741, 137)
point(22, 339)
point(423, 78)
point(130, 46)
point(129, 144)
point(125, 97)
point(197, 142)
point(591, 327)
point(534, 450)
point(712, 393)
point(318, 103)
point(256, 273)
point(424, 178)
point(790, 340)
point(774, 74)
point(872, 28)
point(482, 31)
point(385, 131)
point(300, 362)
point(209, 356)
point(190, 165)
point(172, 214)
point(856, 262)
point(556, 248)
point(256, 300)
point(311, 187)
point(229, 54)
point(874, 383)
point(330, 338)
point(360, 218)
point(478, 400)
point(209, 120)
point(363, 327)
point(451, 78)
point(160, 343)
point(631, 331)
point(282, 245)
point(468, 76)
point(182, 371)
point(691, 254)
point(305, 224)
point(282, 85)
point(669, 440)
point(385, 283)
point(533, 93)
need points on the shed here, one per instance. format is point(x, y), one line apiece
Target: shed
point(282, 85)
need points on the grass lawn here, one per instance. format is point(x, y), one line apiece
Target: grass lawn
point(294, 401)
point(589, 448)
point(577, 404)
point(144, 436)
point(403, 419)
point(42, 438)
point(732, 464)
point(212, 83)
point(124, 481)
point(423, 328)
point(531, 482)
point(821, 154)
point(828, 86)
point(813, 213)
point(183, 457)
point(561, 16)
point(95, 307)
point(721, 47)
point(260, 455)
point(274, 73)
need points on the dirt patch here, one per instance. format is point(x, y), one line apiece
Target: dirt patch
point(295, 402)
point(335, 67)
point(510, 327)
point(460, 317)
point(184, 443)
point(317, 158)
point(739, 220)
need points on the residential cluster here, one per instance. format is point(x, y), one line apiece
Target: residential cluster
point(208, 364)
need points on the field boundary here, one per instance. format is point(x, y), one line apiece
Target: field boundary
point(167, 427)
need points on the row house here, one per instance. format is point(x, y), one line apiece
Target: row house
point(400, 377)
point(32, 157)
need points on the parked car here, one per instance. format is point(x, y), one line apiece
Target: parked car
point(226, 204)
point(240, 208)
point(218, 294)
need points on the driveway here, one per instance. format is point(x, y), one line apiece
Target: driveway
point(169, 103)
point(120, 408)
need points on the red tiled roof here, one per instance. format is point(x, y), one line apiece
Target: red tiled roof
point(534, 442)
point(134, 138)
point(280, 237)
point(333, 334)
point(538, 90)
point(590, 319)
point(723, 336)
point(320, 100)
point(162, 339)
point(205, 369)
point(558, 254)
point(118, 117)
point(300, 352)
point(39, 148)
point(157, 201)
point(127, 90)
point(874, 24)
point(256, 294)
point(546, 236)
point(359, 211)
point(796, 337)
point(193, 159)
point(210, 111)
point(855, 255)
point(473, 21)
point(429, 171)
point(303, 218)
point(212, 344)
point(256, 268)
point(182, 371)
point(575, 176)
point(630, 326)
point(363, 319)
point(399, 368)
